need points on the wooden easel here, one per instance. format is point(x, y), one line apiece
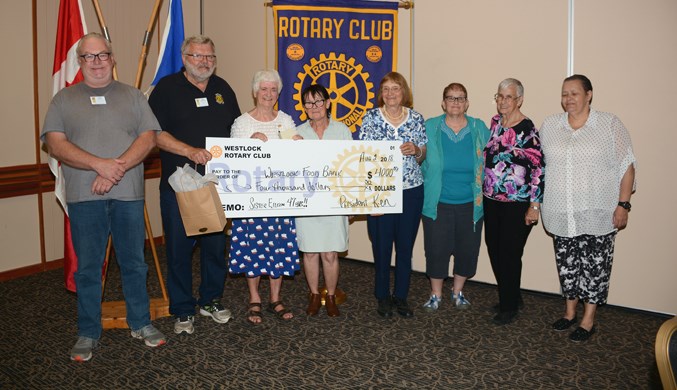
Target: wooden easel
point(114, 313)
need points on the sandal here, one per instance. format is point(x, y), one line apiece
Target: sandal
point(251, 313)
point(279, 313)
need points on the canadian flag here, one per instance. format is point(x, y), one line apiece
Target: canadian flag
point(70, 28)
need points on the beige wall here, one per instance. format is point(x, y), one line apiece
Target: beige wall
point(628, 48)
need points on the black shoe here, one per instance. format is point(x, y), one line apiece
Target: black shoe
point(385, 308)
point(402, 307)
point(563, 324)
point(580, 334)
point(504, 317)
point(497, 307)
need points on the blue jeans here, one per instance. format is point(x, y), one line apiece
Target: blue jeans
point(213, 267)
point(91, 223)
point(400, 229)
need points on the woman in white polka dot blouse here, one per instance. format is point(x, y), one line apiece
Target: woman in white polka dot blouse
point(590, 177)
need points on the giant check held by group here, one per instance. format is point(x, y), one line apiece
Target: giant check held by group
point(298, 178)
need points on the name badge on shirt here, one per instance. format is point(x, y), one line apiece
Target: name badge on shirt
point(201, 102)
point(97, 100)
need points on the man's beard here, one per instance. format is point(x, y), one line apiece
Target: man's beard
point(198, 75)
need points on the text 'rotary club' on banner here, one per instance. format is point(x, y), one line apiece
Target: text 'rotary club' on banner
point(333, 28)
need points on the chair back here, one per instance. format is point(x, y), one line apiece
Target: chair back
point(666, 350)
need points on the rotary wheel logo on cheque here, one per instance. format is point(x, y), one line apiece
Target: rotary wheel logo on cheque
point(363, 185)
point(349, 88)
point(216, 151)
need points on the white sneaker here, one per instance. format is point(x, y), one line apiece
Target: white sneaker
point(433, 303)
point(82, 350)
point(216, 311)
point(184, 324)
point(459, 300)
point(150, 335)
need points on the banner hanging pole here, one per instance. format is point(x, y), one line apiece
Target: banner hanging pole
point(265, 32)
point(411, 45)
point(202, 17)
point(570, 39)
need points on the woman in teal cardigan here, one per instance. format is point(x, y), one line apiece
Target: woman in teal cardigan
point(452, 206)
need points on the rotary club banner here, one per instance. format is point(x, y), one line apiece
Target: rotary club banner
point(346, 46)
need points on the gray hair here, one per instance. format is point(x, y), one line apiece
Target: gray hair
point(269, 75)
point(196, 40)
point(510, 81)
point(92, 35)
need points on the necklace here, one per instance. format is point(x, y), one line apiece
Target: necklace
point(392, 119)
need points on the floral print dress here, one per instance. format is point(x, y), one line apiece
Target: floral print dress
point(514, 163)
point(263, 246)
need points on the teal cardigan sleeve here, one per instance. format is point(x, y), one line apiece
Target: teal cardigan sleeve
point(432, 166)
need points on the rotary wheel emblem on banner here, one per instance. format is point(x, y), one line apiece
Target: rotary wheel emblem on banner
point(349, 87)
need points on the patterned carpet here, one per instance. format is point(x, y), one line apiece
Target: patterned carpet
point(449, 349)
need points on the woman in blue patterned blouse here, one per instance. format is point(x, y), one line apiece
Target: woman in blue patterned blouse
point(513, 189)
point(395, 119)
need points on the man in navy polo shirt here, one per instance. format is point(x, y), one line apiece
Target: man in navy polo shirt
point(191, 105)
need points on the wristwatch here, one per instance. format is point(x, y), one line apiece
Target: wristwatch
point(625, 205)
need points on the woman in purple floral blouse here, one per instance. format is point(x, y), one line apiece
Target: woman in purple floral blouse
point(513, 189)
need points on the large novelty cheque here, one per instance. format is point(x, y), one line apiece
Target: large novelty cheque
point(297, 178)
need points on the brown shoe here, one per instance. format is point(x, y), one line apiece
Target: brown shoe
point(314, 303)
point(330, 304)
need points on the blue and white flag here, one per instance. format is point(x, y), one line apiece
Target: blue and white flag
point(169, 60)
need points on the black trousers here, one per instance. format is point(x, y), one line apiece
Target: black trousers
point(506, 235)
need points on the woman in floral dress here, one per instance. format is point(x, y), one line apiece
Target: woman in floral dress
point(513, 189)
point(264, 246)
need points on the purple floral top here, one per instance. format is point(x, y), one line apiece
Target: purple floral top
point(514, 165)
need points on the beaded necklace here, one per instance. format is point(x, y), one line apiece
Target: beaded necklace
point(398, 119)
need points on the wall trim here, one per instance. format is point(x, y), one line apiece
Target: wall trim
point(34, 179)
point(50, 265)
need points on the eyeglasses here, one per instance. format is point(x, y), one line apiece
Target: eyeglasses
point(316, 103)
point(508, 98)
point(460, 99)
point(394, 89)
point(101, 56)
point(200, 57)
